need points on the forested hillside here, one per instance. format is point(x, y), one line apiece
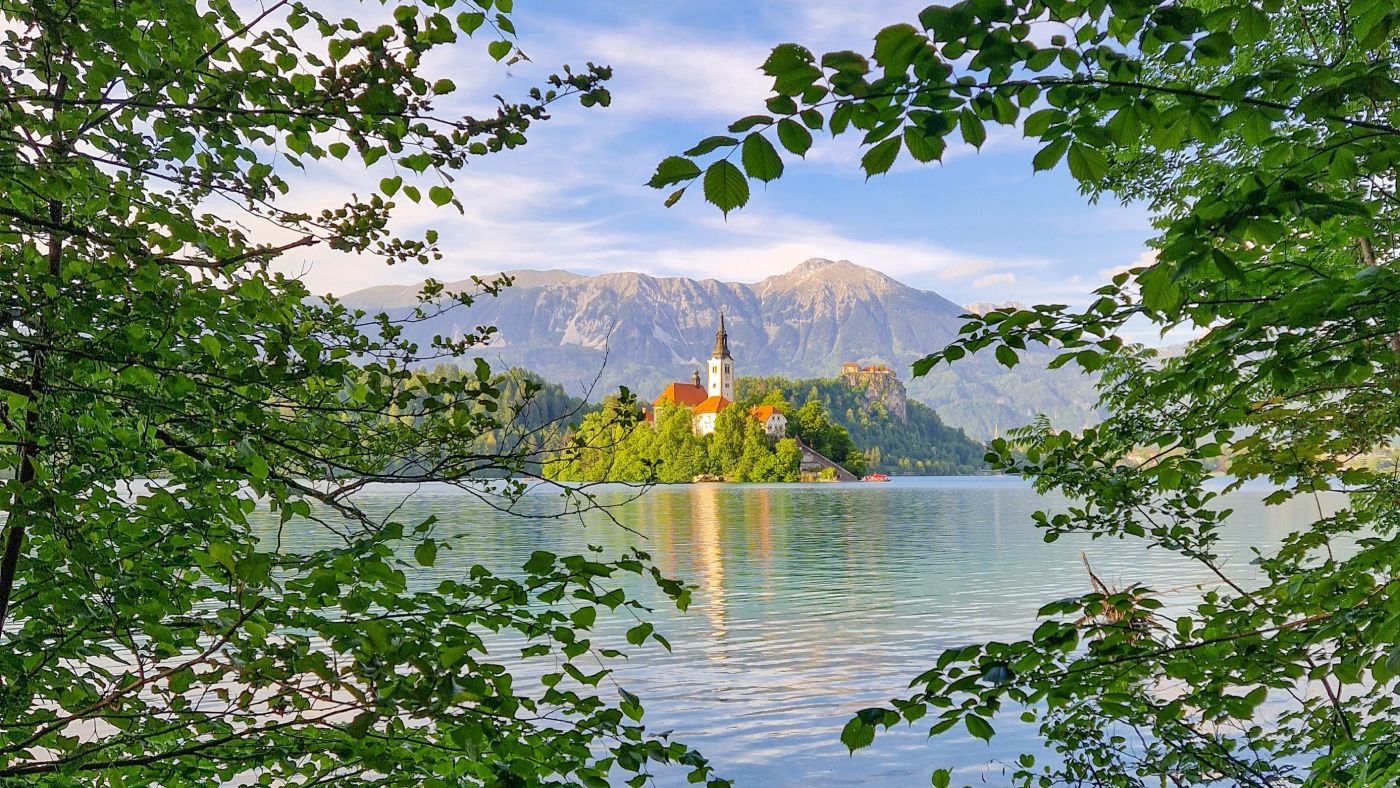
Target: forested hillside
point(917, 443)
point(528, 416)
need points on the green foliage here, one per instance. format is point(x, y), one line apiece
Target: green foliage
point(920, 444)
point(164, 389)
point(1265, 138)
point(616, 445)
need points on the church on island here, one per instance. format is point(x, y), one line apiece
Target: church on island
point(707, 402)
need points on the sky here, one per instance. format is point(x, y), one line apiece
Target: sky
point(978, 227)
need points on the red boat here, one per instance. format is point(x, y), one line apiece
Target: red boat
point(875, 477)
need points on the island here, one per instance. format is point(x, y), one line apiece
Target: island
point(764, 429)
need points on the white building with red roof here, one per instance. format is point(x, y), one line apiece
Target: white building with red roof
point(774, 423)
point(707, 402)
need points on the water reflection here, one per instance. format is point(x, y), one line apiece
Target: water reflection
point(813, 601)
point(709, 560)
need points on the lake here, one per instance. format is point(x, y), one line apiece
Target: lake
point(813, 601)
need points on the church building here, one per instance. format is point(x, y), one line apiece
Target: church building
point(706, 403)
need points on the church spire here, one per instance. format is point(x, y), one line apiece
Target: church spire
point(721, 341)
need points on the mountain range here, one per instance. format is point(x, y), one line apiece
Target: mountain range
point(644, 332)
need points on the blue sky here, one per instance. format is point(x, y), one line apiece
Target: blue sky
point(979, 227)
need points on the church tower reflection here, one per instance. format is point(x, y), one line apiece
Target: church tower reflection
point(709, 560)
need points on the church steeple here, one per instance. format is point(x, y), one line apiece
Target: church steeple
point(721, 341)
point(721, 365)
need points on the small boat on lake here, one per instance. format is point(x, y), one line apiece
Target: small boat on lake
point(875, 477)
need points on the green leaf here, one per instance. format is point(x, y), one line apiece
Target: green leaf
point(725, 187)
point(426, 552)
point(499, 49)
point(1392, 660)
point(792, 69)
point(440, 195)
point(974, 133)
point(1040, 121)
point(711, 144)
point(794, 137)
point(222, 555)
point(857, 734)
point(760, 159)
point(672, 170)
point(880, 157)
point(979, 727)
point(1047, 157)
point(541, 561)
point(921, 146)
point(1006, 356)
point(390, 186)
point(637, 635)
point(896, 47)
point(1087, 164)
point(469, 21)
point(744, 124)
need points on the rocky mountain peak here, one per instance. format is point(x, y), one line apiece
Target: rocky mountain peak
point(820, 274)
point(983, 307)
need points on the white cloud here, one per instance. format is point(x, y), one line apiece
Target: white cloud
point(995, 279)
point(1148, 257)
point(675, 72)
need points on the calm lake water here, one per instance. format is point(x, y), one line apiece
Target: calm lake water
point(814, 601)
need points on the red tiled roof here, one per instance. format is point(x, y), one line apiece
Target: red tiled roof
point(683, 394)
point(714, 404)
point(762, 412)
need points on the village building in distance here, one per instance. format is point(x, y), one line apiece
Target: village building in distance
point(706, 403)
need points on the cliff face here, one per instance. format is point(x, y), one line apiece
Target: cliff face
point(881, 387)
point(644, 332)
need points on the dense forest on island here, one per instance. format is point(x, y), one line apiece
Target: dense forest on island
point(615, 444)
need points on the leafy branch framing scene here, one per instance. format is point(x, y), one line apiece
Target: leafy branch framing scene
point(168, 393)
point(253, 535)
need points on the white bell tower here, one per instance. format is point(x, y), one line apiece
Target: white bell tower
point(721, 365)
